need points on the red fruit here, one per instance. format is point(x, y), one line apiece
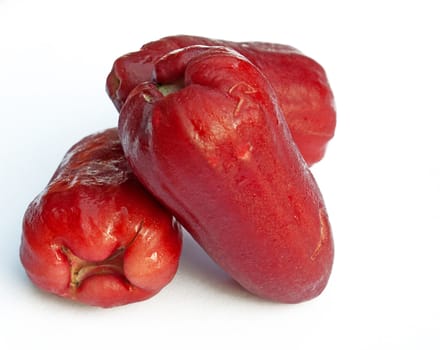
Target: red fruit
point(94, 234)
point(217, 152)
point(300, 83)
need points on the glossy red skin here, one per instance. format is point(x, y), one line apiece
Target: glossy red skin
point(94, 234)
point(301, 84)
point(219, 155)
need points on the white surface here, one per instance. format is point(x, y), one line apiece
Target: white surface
point(380, 177)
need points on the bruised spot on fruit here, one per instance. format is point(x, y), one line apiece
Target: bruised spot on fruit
point(324, 233)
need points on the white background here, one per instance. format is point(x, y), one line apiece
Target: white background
point(380, 177)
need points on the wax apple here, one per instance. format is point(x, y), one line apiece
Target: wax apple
point(94, 234)
point(209, 140)
point(300, 83)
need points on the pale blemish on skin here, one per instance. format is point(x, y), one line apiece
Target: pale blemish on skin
point(243, 88)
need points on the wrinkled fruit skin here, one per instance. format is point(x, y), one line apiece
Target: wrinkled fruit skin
point(218, 153)
point(94, 234)
point(300, 83)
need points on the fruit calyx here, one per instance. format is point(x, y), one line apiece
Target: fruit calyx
point(81, 269)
